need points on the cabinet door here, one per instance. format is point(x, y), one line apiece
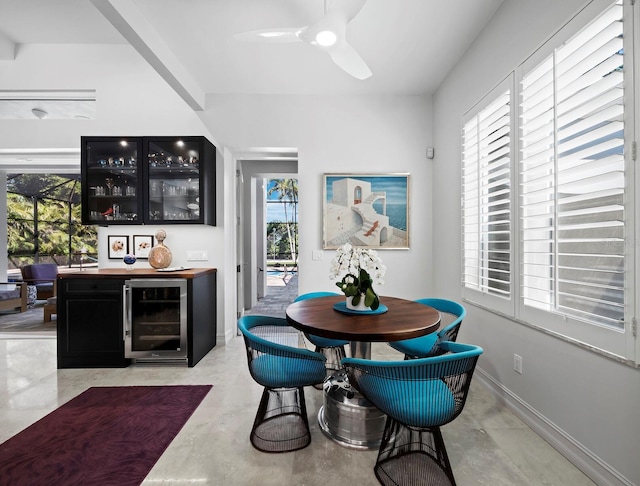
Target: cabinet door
point(180, 180)
point(90, 324)
point(93, 325)
point(111, 180)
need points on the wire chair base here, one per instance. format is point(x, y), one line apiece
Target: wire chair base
point(409, 456)
point(281, 424)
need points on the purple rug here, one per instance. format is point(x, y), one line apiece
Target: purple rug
point(104, 436)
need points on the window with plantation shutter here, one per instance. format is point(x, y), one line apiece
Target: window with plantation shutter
point(486, 198)
point(572, 184)
point(549, 232)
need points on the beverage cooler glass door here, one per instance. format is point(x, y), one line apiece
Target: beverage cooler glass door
point(155, 319)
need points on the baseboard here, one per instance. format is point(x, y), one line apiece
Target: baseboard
point(224, 338)
point(591, 465)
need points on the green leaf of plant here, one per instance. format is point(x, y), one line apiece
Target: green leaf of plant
point(351, 291)
point(371, 299)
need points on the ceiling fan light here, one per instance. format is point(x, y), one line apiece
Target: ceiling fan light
point(326, 38)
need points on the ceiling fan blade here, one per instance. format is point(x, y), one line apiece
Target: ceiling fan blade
point(272, 36)
point(350, 61)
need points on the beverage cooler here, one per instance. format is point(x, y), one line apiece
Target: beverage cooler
point(155, 320)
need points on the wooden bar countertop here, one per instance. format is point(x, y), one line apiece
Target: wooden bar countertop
point(136, 273)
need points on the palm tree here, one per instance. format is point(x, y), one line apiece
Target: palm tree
point(287, 192)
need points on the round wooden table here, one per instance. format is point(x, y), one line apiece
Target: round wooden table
point(346, 416)
point(404, 319)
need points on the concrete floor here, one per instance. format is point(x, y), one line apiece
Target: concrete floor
point(487, 444)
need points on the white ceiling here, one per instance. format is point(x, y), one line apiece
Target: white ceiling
point(410, 45)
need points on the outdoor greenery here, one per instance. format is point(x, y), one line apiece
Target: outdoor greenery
point(282, 237)
point(278, 243)
point(43, 220)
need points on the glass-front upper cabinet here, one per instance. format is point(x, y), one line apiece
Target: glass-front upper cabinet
point(178, 175)
point(148, 180)
point(111, 182)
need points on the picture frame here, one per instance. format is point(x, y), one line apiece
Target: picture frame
point(142, 245)
point(366, 210)
point(118, 246)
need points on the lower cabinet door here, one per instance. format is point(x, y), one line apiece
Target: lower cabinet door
point(90, 331)
point(92, 326)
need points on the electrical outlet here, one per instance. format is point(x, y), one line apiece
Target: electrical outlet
point(316, 255)
point(517, 363)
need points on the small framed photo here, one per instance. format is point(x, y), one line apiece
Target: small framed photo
point(142, 245)
point(118, 246)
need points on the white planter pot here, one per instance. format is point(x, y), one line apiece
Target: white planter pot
point(359, 307)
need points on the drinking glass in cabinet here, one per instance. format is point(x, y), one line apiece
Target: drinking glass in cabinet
point(109, 183)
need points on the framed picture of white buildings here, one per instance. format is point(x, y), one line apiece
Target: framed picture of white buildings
point(366, 210)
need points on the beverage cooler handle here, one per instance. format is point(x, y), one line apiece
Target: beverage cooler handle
point(126, 311)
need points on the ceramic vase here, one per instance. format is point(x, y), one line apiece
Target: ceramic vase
point(160, 256)
point(359, 307)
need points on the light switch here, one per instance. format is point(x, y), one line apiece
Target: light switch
point(197, 255)
point(316, 255)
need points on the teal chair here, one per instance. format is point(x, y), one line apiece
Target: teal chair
point(451, 316)
point(332, 349)
point(281, 423)
point(418, 396)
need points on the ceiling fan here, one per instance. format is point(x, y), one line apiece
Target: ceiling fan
point(327, 34)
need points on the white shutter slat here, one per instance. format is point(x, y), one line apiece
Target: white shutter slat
point(602, 22)
point(593, 92)
point(598, 118)
point(583, 73)
point(539, 77)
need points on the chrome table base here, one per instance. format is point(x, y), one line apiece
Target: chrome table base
point(347, 417)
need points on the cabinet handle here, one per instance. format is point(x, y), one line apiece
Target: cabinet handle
point(126, 310)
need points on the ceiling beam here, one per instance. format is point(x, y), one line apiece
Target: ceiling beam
point(7, 49)
point(137, 30)
point(41, 160)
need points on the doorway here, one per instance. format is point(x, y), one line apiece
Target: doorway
point(253, 175)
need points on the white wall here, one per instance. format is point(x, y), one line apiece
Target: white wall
point(340, 134)
point(591, 399)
